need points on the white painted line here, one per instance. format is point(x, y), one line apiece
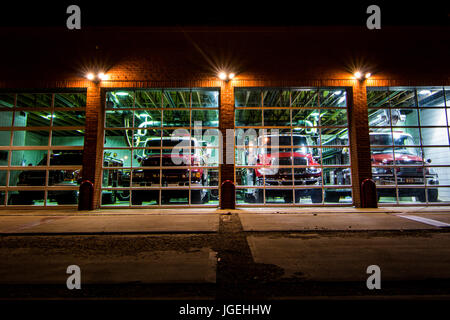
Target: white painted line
point(425, 220)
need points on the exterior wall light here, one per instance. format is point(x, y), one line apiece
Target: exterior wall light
point(360, 76)
point(96, 78)
point(224, 76)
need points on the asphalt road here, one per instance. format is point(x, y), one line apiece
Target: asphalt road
point(228, 264)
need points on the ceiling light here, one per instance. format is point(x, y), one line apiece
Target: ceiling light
point(357, 75)
point(90, 76)
point(102, 76)
point(368, 75)
point(231, 76)
point(424, 92)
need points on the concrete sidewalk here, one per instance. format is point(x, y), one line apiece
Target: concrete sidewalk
point(91, 224)
point(200, 220)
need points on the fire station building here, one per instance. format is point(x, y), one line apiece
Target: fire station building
point(162, 116)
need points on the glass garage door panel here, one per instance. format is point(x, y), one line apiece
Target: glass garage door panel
point(409, 138)
point(291, 146)
point(161, 148)
point(41, 147)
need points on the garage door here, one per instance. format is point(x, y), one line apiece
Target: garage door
point(161, 148)
point(41, 147)
point(409, 138)
point(292, 146)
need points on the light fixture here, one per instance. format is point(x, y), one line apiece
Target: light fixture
point(226, 76)
point(222, 76)
point(368, 75)
point(122, 93)
point(357, 75)
point(100, 76)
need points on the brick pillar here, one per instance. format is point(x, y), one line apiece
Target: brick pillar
point(359, 138)
point(226, 121)
point(93, 140)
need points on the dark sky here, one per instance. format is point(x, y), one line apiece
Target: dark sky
point(222, 12)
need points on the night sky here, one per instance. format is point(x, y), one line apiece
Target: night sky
point(233, 12)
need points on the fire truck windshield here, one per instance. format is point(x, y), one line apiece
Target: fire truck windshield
point(400, 140)
point(298, 141)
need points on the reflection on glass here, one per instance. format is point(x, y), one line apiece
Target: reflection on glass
point(70, 100)
point(402, 98)
point(332, 98)
point(148, 98)
point(378, 97)
point(248, 117)
point(280, 117)
point(205, 98)
point(7, 100)
point(247, 98)
point(304, 98)
point(430, 97)
point(69, 118)
point(176, 98)
point(34, 100)
point(275, 98)
point(205, 118)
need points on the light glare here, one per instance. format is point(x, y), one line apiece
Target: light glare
point(222, 76)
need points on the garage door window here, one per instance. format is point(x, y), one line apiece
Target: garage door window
point(41, 147)
point(291, 146)
point(161, 147)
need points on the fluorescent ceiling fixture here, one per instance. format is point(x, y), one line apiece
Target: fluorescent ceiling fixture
point(424, 92)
